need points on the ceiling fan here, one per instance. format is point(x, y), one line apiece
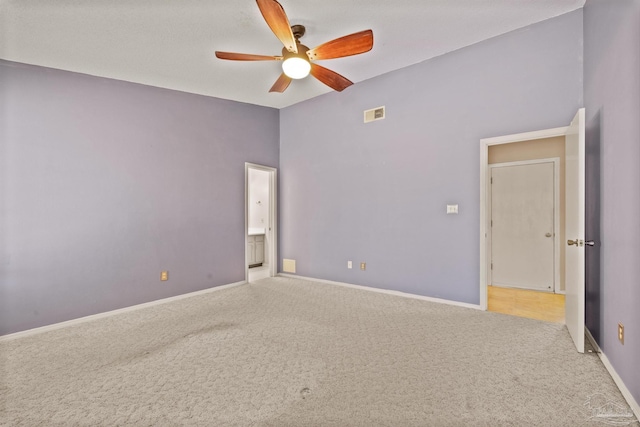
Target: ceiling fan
point(296, 58)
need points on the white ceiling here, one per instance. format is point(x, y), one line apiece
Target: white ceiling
point(171, 44)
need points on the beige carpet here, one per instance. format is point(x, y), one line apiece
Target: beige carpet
point(285, 352)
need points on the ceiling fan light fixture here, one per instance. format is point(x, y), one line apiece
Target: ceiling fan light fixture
point(296, 67)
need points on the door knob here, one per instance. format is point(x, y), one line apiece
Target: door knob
point(547, 235)
point(578, 242)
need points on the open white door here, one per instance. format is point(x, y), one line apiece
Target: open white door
point(574, 228)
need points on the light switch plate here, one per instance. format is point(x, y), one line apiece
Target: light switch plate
point(452, 209)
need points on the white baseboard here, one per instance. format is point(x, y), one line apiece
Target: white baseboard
point(93, 317)
point(385, 291)
point(616, 378)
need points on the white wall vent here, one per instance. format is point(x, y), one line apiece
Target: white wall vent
point(374, 114)
point(288, 265)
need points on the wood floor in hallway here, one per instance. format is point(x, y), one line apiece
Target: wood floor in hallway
point(525, 303)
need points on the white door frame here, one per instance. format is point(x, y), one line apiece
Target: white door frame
point(556, 214)
point(485, 143)
point(272, 228)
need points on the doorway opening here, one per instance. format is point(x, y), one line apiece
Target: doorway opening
point(508, 155)
point(573, 276)
point(260, 222)
point(525, 215)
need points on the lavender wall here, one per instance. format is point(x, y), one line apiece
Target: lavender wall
point(106, 183)
point(378, 192)
point(612, 99)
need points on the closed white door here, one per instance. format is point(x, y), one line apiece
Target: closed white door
point(522, 226)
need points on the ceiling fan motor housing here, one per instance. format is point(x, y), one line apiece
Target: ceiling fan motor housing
point(302, 53)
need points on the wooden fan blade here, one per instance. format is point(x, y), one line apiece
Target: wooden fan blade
point(281, 84)
point(246, 57)
point(353, 44)
point(277, 20)
point(330, 78)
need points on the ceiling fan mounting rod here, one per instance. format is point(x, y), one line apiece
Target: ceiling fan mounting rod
point(298, 31)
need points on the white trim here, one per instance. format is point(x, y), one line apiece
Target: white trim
point(616, 378)
point(556, 223)
point(556, 214)
point(384, 291)
point(272, 231)
point(526, 136)
point(92, 317)
point(485, 143)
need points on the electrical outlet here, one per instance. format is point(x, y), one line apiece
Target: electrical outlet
point(349, 264)
point(621, 333)
point(164, 276)
point(363, 266)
